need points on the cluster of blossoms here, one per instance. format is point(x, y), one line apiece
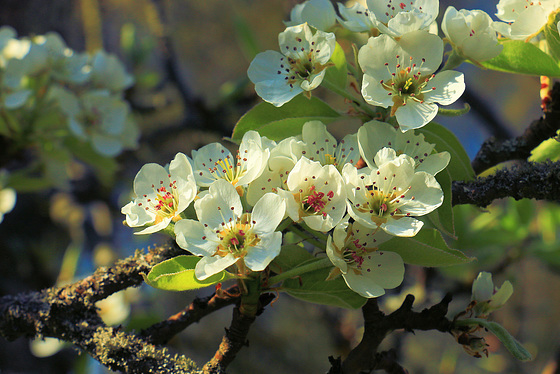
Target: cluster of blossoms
point(240, 199)
point(83, 92)
point(399, 61)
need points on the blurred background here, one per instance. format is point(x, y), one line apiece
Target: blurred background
point(189, 60)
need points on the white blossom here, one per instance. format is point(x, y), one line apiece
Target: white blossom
point(374, 136)
point(397, 18)
point(471, 34)
point(315, 194)
point(214, 161)
point(488, 297)
point(353, 249)
point(399, 74)
point(391, 196)
point(299, 66)
point(524, 18)
point(357, 18)
point(162, 194)
point(8, 198)
point(225, 235)
point(317, 13)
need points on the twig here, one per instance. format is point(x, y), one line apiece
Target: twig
point(540, 181)
point(162, 332)
point(493, 151)
point(235, 338)
point(69, 313)
point(377, 325)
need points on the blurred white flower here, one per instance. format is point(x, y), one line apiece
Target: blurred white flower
point(317, 13)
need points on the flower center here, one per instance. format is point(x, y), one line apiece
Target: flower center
point(229, 169)
point(165, 202)
point(313, 202)
point(383, 204)
point(236, 238)
point(407, 83)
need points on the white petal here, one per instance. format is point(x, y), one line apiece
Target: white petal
point(405, 227)
point(374, 93)
point(206, 159)
point(380, 270)
point(414, 115)
point(268, 213)
point(258, 257)
point(208, 266)
point(192, 236)
point(434, 163)
point(221, 206)
point(449, 86)
point(150, 177)
point(155, 228)
point(136, 215)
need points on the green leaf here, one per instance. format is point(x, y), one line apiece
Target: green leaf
point(547, 150)
point(290, 256)
point(312, 287)
point(460, 165)
point(551, 35)
point(442, 218)
point(278, 123)
point(427, 248)
point(512, 345)
point(338, 73)
point(177, 274)
point(519, 57)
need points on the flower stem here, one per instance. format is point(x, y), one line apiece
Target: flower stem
point(307, 237)
point(294, 272)
point(361, 105)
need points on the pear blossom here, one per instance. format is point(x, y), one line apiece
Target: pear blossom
point(107, 72)
point(524, 19)
point(315, 194)
point(225, 235)
point(300, 66)
point(162, 194)
point(357, 18)
point(281, 162)
point(399, 74)
point(353, 249)
point(317, 13)
point(471, 34)
point(214, 161)
point(488, 297)
point(8, 198)
point(320, 145)
point(374, 136)
point(396, 18)
point(392, 195)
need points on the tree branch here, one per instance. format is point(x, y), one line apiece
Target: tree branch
point(493, 151)
point(235, 337)
point(539, 181)
point(162, 332)
point(377, 325)
point(69, 313)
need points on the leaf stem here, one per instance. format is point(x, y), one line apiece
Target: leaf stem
point(362, 105)
point(294, 272)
